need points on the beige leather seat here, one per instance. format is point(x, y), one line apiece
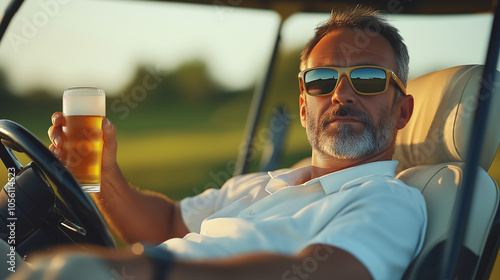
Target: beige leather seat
point(432, 149)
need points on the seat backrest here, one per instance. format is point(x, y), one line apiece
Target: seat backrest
point(431, 150)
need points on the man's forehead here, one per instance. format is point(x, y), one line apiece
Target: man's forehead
point(347, 48)
point(347, 58)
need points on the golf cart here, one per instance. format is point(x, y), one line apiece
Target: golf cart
point(454, 123)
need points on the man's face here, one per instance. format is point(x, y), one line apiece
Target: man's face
point(347, 125)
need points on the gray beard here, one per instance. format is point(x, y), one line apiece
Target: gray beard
point(347, 143)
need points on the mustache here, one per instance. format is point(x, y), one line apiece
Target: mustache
point(344, 111)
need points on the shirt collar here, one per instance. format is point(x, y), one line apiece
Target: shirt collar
point(334, 181)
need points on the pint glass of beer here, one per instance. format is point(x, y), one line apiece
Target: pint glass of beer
point(84, 108)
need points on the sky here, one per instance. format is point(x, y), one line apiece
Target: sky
point(56, 44)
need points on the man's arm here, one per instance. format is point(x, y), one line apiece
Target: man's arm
point(138, 215)
point(314, 262)
point(133, 214)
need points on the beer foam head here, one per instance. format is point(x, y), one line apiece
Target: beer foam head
point(84, 101)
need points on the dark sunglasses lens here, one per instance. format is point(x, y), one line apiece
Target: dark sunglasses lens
point(369, 80)
point(320, 81)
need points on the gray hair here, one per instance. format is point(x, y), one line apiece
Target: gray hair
point(371, 23)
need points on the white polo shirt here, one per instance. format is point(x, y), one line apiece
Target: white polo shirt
point(363, 210)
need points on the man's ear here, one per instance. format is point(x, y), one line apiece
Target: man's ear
point(302, 102)
point(405, 111)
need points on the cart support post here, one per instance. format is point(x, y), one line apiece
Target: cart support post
point(9, 14)
point(244, 153)
point(462, 206)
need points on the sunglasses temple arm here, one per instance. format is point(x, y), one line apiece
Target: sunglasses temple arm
point(398, 82)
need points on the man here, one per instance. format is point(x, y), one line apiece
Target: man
point(345, 216)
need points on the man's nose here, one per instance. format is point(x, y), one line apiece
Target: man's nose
point(344, 93)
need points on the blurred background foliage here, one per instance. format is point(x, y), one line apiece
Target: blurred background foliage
point(179, 132)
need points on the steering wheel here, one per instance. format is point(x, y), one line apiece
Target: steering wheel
point(36, 213)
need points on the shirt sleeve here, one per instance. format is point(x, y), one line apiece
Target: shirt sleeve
point(197, 208)
point(382, 225)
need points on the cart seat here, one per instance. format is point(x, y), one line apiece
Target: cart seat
point(431, 150)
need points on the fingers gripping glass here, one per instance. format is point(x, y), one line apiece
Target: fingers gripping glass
point(365, 80)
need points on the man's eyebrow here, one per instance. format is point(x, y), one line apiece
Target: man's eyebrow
point(367, 64)
point(352, 65)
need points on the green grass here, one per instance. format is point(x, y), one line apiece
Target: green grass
point(184, 163)
point(177, 163)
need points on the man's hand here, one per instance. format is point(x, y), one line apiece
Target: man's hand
point(109, 148)
point(135, 215)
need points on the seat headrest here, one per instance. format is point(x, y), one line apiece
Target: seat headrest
point(443, 115)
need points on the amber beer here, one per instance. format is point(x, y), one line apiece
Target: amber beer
point(83, 110)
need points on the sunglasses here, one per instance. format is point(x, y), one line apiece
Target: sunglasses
point(365, 79)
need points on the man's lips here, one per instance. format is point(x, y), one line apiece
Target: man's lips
point(344, 120)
